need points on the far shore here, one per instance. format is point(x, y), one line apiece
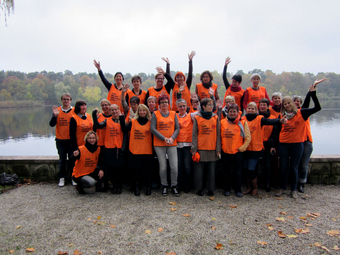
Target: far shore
point(21, 104)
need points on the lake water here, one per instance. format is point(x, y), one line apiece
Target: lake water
point(26, 132)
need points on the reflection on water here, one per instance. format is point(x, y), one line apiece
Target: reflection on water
point(27, 132)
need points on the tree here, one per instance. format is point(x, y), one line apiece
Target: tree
point(7, 7)
point(92, 95)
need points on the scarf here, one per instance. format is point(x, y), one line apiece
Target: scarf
point(207, 85)
point(289, 115)
point(90, 147)
point(238, 122)
point(142, 120)
point(206, 115)
point(251, 116)
point(235, 89)
point(277, 108)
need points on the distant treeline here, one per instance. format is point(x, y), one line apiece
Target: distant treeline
point(47, 87)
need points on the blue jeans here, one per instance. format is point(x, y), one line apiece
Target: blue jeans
point(184, 167)
point(294, 152)
point(64, 150)
point(304, 162)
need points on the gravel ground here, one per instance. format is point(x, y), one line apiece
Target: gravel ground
point(54, 219)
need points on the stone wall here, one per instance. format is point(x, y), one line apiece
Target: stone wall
point(323, 169)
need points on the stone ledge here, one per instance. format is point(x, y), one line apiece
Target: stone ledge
point(324, 158)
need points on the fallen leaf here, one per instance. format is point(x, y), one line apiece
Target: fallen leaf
point(281, 219)
point(62, 253)
point(283, 213)
point(101, 223)
point(280, 206)
point(18, 227)
point(113, 226)
point(89, 219)
point(98, 218)
point(270, 228)
point(305, 231)
point(334, 219)
point(219, 246)
point(303, 218)
point(213, 228)
point(292, 236)
point(77, 252)
point(170, 253)
point(100, 252)
point(233, 206)
point(70, 245)
point(336, 248)
point(259, 196)
point(298, 230)
point(213, 219)
point(173, 209)
point(172, 203)
point(95, 222)
point(280, 234)
point(325, 248)
point(309, 225)
point(268, 225)
point(220, 202)
point(333, 232)
point(315, 215)
point(278, 198)
point(338, 216)
point(212, 198)
point(290, 217)
point(316, 244)
point(263, 243)
point(160, 229)
point(30, 249)
point(148, 231)
point(11, 251)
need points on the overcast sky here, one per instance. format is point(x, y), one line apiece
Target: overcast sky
point(132, 36)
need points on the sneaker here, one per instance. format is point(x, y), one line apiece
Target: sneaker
point(175, 191)
point(210, 193)
point(279, 193)
point(164, 190)
point(294, 194)
point(74, 183)
point(226, 193)
point(239, 194)
point(61, 182)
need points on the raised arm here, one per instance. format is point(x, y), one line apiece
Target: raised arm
point(225, 80)
point(96, 124)
point(167, 65)
point(102, 77)
point(126, 107)
point(189, 79)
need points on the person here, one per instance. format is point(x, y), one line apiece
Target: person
point(80, 124)
point(235, 88)
point(151, 103)
point(235, 138)
point(136, 91)
point(105, 114)
point(307, 144)
point(87, 170)
point(61, 120)
point(115, 90)
point(184, 139)
point(140, 146)
point(275, 110)
point(207, 88)
point(114, 149)
point(292, 137)
point(160, 89)
point(228, 100)
point(254, 93)
point(130, 110)
point(165, 128)
point(182, 86)
point(206, 141)
point(254, 149)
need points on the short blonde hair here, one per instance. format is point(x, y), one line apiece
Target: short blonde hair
point(252, 104)
point(143, 107)
point(91, 132)
point(230, 97)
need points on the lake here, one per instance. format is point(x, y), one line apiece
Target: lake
point(26, 132)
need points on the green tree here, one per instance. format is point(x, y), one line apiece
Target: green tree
point(92, 95)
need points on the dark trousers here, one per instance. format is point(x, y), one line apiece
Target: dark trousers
point(87, 181)
point(184, 167)
point(232, 171)
point(64, 151)
point(199, 175)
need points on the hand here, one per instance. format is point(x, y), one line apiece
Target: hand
point(193, 96)
point(191, 55)
point(97, 64)
point(272, 151)
point(125, 88)
point(227, 61)
point(219, 104)
point(166, 60)
point(160, 70)
point(55, 110)
point(76, 153)
point(318, 81)
point(283, 120)
point(211, 91)
point(101, 174)
point(181, 88)
point(218, 154)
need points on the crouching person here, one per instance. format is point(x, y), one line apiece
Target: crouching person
point(87, 172)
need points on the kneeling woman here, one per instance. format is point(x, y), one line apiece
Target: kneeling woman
point(206, 140)
point(86, 171)
point(140, 147)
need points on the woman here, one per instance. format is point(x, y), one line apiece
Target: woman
point(86, 171)
point(254, 93)
point(130, 110)
point(140, 146)
point(151, 103)
point(228, 100)
point(114, 157)
point(115, 90)
point(182, 86)
point(206, 141)
point(184, 139)
point(80, 124)
point(165, 128)
point(207, 88)
point(235, 138)
point(275, 110)
point(255, 147)
point(136, 91)
point(105, 114)
point(292, 137)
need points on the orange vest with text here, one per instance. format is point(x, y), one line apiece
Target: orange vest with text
point(202, 92)
point(87, 162)
point(114, 96)
point(185, 131)
point(294, 130)
point(237, 95)
point(83, 126)
point(156, 94)
point(101, 132)
point(165, 126)
point(114, 135)
point(62, 129)
point(141, 96)
point(256, 143)
point(267, 130)
point(231, 136)
point(140, 138)
point(185, 95)
point(207, 134)
point(256, 95)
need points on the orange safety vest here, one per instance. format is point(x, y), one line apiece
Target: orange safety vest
point(237, 95)
point(202, 92)
point(256, 95)
point(267, 129)
point(140, 138)
point(62, 129)
point(87, 162)
point(185, 131)
point(114, 135)
point(83, 126)
point(114, 96)
point(185, 95)
point(294, 130)
point(231, 136)
point(256, 143)
point(207, 134)
point(156, 94)
point(165, 126)
point(101, 132)
point(273, 112)
point(308, 131)
point(141, 96)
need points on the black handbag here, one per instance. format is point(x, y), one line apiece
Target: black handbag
point(9, 179)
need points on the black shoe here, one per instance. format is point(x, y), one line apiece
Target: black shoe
point(175, 191)
point(164, 190)
point(80, 190)
point(148, 191)
point(226, 193)
point(267, 187)
point(186, 190)
point(301, 187)
point(113, 191)
point(200, 192)
point(119, 191)
point(210, 193)
point(137, 191)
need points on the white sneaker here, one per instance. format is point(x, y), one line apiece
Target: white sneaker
point(74, 183)
point(61, 182)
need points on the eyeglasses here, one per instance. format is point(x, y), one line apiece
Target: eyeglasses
point(210, 104)
point(160, 79)
point(164, 102)
point(66, 99)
